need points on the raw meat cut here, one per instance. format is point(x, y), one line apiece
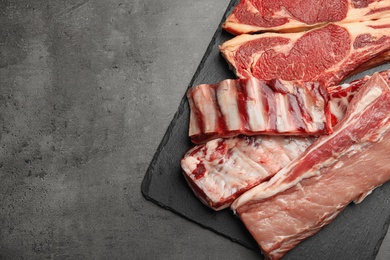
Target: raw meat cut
point(341, 95)
point(222, 169)
point(382, 58)
point(296, 15)
point(253, 107)
point(334, 171)
point(326, 54)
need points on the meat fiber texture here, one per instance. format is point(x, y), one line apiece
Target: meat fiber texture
point(253, 107)
point(326, 54)
point(333, 172)
point(341, 95)
point(251, 16)
point(218, 171)
point(222, 169)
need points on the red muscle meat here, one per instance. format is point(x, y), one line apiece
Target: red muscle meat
point(326, 54)
point(253, 107)
point(341, 95)
point(296, 15)
point(333, 172)
point(222, 169)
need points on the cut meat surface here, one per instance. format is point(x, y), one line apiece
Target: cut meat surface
point(381, 58)
point(222, 169)
point(333, 172)
point(253, 107)
point(326, 54)
point(251, 16)
point(341, 95)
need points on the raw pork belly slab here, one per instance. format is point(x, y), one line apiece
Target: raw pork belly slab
point(222, 169)
point(253, 107)
point(333, 172)
point(293, 15)
point(326, 54)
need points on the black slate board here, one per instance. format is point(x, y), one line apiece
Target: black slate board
point(356, 233)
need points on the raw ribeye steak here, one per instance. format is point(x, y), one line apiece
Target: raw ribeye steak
point(334, 171)
point(295, 15)
point(326, 54)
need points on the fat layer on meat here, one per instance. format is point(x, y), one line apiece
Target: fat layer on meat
point(334, 171)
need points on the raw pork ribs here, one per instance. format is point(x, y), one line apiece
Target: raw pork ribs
point(253, 107)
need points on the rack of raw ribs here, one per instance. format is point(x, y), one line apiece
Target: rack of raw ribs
point(285, 145)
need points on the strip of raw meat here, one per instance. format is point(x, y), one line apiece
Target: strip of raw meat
point(340, 96)
point(326, 55)
point(296, 15)
point(222, 169)
point(253, 107)
point(382, 58)
point(334, 171)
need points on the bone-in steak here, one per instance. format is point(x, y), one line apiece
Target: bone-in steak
point(326, 54)
point(294, 15)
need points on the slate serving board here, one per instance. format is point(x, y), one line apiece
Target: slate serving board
point(356, 233)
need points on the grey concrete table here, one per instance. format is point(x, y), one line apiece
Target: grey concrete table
point(87, 90)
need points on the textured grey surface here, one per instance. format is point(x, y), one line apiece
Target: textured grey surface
point(87, 90)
